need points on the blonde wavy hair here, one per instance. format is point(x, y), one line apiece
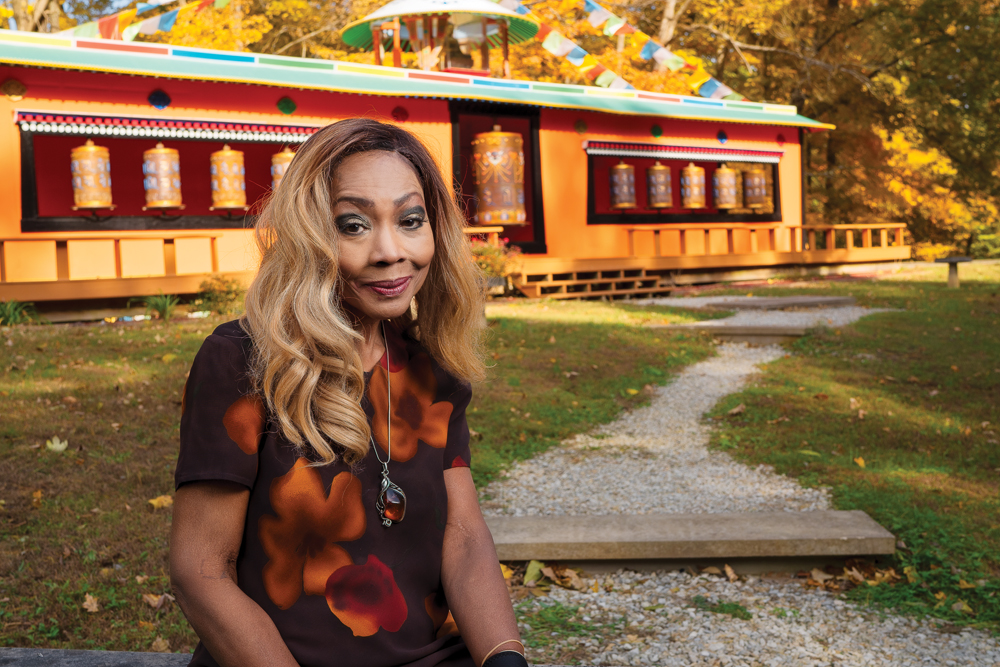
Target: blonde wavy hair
point(306, 362)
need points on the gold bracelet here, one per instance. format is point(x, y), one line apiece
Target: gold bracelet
point(506, 641)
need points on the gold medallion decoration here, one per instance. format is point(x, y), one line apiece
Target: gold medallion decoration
point(279, 165)
point(755, 188)
point(498, 173)
point(228, 179)
point(692, 186)
point(91, 169)
point(659, 191)
point(161, 170)
point(622, 186)
point(13, 90)
point(724, 188)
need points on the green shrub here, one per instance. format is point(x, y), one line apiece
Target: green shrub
point(221, 295)
point(162, 304)
point(496, 261)
point(16, 312)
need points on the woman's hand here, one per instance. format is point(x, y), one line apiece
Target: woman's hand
point(473, 582)
point(204, 541)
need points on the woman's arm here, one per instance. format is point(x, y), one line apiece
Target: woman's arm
point(204, 542)
point(473, 583)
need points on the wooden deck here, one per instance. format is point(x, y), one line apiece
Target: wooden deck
point(658, 252)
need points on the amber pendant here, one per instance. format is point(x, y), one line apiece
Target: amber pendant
point(391, 502)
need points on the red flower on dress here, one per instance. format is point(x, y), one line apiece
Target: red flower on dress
point(301, 540)
point(437, 609)
point(244, 422)
point(415, 415)
point(366, 598)
point(459, 462)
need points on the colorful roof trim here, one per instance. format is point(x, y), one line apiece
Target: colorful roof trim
point(163, 61)
point(46, 122)
point(659, 151)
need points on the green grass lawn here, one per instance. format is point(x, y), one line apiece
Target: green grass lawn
point(78, 522)
point(914, 396)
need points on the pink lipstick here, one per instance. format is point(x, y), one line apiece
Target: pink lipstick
point(389, 287)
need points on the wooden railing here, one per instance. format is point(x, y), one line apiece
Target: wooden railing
point(829, 234)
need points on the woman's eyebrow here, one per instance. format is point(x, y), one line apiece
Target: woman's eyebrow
point(360, 202)
point(402, 200)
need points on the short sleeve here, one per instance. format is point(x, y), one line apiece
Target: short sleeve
point(456, 452)
point(222, 422)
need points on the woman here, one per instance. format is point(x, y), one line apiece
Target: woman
point(325, 513)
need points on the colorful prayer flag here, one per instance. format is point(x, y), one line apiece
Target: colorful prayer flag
point(576, 56)
point(605, 79)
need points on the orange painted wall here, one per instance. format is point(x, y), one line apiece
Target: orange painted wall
point(564, 172)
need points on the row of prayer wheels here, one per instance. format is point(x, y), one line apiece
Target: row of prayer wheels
point(498, 173)
point(161, 170)
point(659, 192)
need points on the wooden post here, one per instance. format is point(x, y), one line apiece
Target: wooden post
point(683, 244)
point(657, 252)
point(849, 238)
point(753, 240)
point(506, 50)
point(812, 239)
point(831, 239)
point(377, 42)
point(883, 237)
point(730, 248)
point(899, 236)
point(397, 49)
point(866, 238)
point(484, 48)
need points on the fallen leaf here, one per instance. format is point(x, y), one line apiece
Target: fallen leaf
point(962, 583)
point(862, 413)
point(36, 498)
point(160, 645)
point(504, 570)
point(157, 601)
point(809, 452)
point(738, 410)
point(962, 607)
point(533, 572)
point(160, 502)
point(570, 374)
point(855, 404)
point(711, 569)
point(552, 339)
point(146, 625)
point(731, 574)
point(167, 358)
point(954, 368)
point(70, 400)
point(632, 392)
point(56, 445)
point(802, 388)
point(940, 595)
point(860, 461)
point(115, 426)
point(911, 574)
point(820, 576)
point(141, 579)
point(821, 397)
point(475, 434)
point(913, 378)
point(90, 604)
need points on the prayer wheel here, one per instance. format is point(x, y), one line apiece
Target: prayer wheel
point(724, 187)
point(498, 173)
point(659, 193)
point(90, 166)
point(692, 186)
point(229, 189)
point(622, 186)
point(279, 165)
point(755, 188)
point(161, 170)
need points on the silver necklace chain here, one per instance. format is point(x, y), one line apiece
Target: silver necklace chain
point(386, 482)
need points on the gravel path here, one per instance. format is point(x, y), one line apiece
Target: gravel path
point(810, 317)
point(652, 619)
point(655, 459)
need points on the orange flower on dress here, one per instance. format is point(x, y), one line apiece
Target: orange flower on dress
point(415, 415)
point(244, 422)
point(366, 598)
point(301, 540)
point(437, 609)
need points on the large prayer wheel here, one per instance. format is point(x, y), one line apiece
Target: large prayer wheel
point(724, 188)
point(622, 186)
point(692, 186)
point(229, 189)
point(659, 193)
point(161, 170)
point(498, 173)
point(755, 188)
point(279, 165)
point(90, 166)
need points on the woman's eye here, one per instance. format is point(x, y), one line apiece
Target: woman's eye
point(414, 222)
point(350, 227)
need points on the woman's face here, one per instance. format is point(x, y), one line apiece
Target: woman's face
point(386, 243)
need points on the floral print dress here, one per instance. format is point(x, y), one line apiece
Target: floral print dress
point(341, 589)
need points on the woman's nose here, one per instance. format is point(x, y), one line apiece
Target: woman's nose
point(389, 247)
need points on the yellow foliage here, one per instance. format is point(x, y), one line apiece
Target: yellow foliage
point(228, 29)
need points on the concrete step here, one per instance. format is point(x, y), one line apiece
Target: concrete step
point(780, 303)
point(828, 533)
